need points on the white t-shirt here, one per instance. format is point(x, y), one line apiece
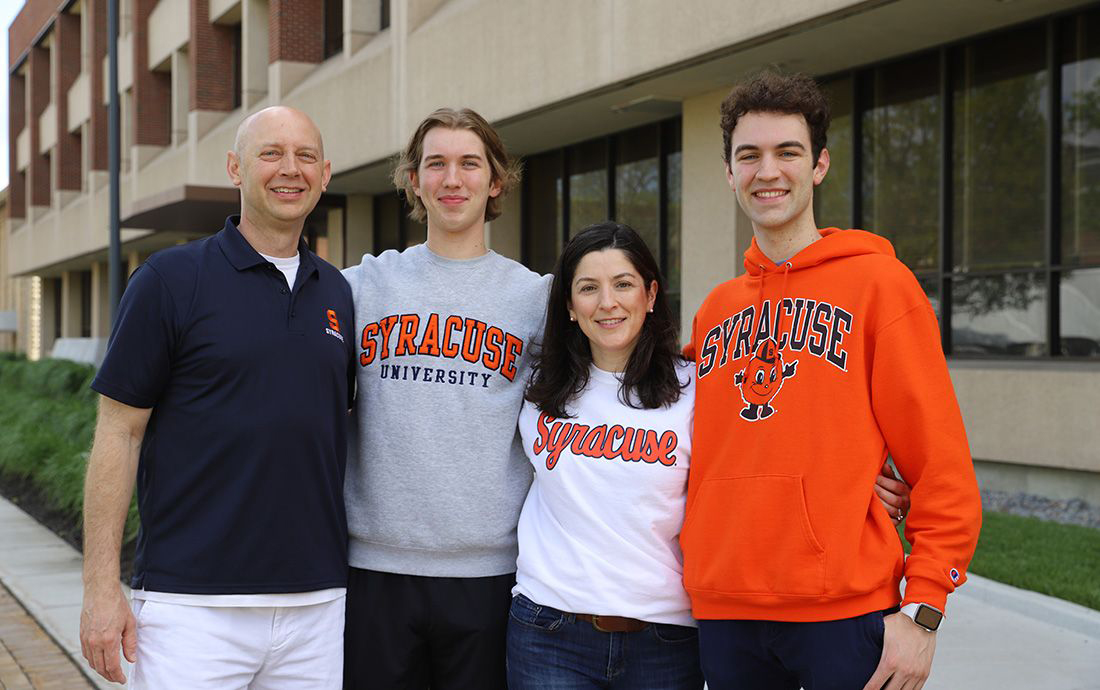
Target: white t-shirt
point(288, 266)
point(599, 532)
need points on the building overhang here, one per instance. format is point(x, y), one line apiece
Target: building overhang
point(185, 208)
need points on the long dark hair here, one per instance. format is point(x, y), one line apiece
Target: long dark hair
point(561, 367)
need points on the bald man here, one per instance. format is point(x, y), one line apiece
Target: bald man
point(224, 394)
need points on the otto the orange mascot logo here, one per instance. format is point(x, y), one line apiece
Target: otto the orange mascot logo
point(761, 379)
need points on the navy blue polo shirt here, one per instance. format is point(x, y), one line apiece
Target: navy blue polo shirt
point(240, 482)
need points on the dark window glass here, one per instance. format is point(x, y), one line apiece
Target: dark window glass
point(833, 197)
point(1000, 314)
point(543, 221)
point(387, 222)
point(1081, 140)
point(57, 292)
point(930, 283)
point(85, 304)
point(238, 61)
point(674, 158)
point(901, 159)
point(637, 188)
point(999, 163)
point(384, 15)
point(587, 184)
point(334, 27)
point(1080, 298)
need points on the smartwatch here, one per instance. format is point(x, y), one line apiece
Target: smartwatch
point(927, 617)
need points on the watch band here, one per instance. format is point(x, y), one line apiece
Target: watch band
point(927, 617)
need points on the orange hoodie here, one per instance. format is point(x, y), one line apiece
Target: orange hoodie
point(795, 413)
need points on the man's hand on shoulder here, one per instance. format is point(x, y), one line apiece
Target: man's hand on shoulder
point(907, 651)
point(105, 623)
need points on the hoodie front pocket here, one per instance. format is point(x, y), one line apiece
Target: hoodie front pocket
point(752, 535)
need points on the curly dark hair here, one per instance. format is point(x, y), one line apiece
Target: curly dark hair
point(561, 368)
point(775, 92)
point(505, 170)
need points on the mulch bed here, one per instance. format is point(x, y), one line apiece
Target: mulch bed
point(30, 499)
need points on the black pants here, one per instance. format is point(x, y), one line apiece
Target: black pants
point(411, 632)
point(769, 655)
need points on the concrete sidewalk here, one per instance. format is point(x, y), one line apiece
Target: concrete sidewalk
point(996, 637)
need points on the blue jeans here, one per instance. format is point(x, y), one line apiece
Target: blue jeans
point(550, 649)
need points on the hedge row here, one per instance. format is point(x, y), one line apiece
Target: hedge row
point(48, 413)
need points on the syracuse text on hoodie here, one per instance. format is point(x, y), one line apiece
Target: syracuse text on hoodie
point(810, 374)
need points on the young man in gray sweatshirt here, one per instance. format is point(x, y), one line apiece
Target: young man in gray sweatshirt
point(433, 494)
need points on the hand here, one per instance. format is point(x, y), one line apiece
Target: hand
point(105, 622)
point(907, 651)
point(892, 492)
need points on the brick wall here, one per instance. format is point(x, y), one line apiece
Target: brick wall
point(17, 118)
point(212, 55)
point(30, 21)
point(97, 125)
point(39, 78)
point(152, 99)
point(67, 35)
point(296, 30)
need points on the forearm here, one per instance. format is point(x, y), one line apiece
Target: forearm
point(108, 487)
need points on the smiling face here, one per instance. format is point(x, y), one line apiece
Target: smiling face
point(609, 301)
point(772, 170)
point(454, 181)
point(279, 167)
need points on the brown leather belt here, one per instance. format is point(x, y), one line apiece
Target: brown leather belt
point(613, 624)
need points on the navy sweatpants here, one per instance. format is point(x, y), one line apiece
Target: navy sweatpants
point(771, 655)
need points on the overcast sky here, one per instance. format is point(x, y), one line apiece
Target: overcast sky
point(8, 10)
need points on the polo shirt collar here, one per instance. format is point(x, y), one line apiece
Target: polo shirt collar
point(241, 254)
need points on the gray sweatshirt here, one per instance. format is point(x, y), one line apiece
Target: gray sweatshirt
point(437, 476)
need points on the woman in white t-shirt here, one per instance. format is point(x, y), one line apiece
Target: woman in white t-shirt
point(599, 600)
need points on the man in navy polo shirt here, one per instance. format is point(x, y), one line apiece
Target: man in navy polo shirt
point(224, 392)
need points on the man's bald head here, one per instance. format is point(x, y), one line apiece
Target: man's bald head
point(275, 116)
point(278, 163)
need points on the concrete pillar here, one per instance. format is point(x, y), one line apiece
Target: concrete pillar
point(254, 51)
point(362, 20)
point(48, 315)
point(70, 304)
point(336, 237)
point(715, 231)
point(503, 234)
point(101, 304)
point(359, 226)
point(181, 95)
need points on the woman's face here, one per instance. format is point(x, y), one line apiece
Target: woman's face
point(609, 300)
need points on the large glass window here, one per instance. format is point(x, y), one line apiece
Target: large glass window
point(632, 177)
point(543, 219)
point(588, 181)
point(901, 159)
point(957, 175)
point(999, 150)
point(833, 197)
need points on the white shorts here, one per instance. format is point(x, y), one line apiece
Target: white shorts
point(229, 648)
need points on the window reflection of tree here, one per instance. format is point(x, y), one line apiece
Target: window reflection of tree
point(1000, 162)
point(901, 159)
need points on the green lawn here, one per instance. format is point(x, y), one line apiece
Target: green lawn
point(1060, 560)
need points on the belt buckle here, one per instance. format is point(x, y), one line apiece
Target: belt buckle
point(596, 624)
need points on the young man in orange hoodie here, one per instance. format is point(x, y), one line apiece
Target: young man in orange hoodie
point(815, 365)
